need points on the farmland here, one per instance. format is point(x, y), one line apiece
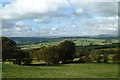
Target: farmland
point(89, 70)
point(77, 41)
point(52, 39)
point(38, 69)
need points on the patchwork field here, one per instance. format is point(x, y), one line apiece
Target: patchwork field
point(71, 70)
point(79, 41)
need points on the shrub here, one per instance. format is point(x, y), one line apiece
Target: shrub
point(116, 57)
point(99, 58)
point(86, 58)
point(81, 60)
point(105, 58)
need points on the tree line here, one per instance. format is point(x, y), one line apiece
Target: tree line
point(65, 52)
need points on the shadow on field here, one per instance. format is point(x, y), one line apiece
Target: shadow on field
point(45, 65)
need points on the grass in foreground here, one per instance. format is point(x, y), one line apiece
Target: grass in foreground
point(61, 71)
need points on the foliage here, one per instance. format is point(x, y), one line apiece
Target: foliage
point(67, 51)
point(86, 59)
point(116, 57)
point(99, 58)
point(51, 55)
point(9, 49)
point(11, 52)
point(105, 58)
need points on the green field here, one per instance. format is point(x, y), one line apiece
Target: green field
point(78, 70)
point(79, 41)
point(73, 70)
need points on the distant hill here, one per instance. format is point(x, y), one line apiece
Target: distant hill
point(26, 40)
point(107, 36)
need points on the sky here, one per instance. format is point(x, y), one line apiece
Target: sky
point(44, 18)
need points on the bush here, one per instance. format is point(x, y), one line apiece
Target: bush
point(116, 57)
point(86, 59)
point(81, 60)
point(105, 58)
point(99, 59)
point(27, 61)
point(17, 62)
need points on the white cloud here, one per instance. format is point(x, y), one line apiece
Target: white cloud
point(74, 26)
point(30, 8)
point(17, 29)
point(37, 20)
point(20, 9)
point(53, 29)
point(79, 11)
point(41, 20)
point(102, 8)
point(95, 0)
point(5, 30)
point(83, 18)
point(21, 24)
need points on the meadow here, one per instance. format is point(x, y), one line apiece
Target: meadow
point(71, 70)
point(78, 70)
point(77, 41)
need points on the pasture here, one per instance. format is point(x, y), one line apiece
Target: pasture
point(77, 41)
point(78, 70)
point(71, 70)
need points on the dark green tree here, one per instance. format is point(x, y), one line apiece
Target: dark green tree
point(67, 51)
point(26, 57)
point(51, 55)
point(11, 52)
point(9, 49)
point(116, 56)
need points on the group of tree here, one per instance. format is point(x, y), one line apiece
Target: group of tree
point(12, 53)
point(65, 52)
point(100, 56)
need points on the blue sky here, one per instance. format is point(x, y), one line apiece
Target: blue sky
point(30, 18)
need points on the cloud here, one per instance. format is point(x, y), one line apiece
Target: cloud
point(20, 9)
point(21, 24)
point(100, 8)
point(54, 28)
point(95, 0)
point(59, 18)
point(7, 24)
point(41, 20)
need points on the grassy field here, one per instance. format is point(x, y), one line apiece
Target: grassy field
point(79, 41)
point(78, 70)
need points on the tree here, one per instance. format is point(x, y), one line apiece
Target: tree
point(116, 56)
point(64, 52)
point(93, 55)
point(11, 52)
point(51, 55)
point(27, 58)
point(39, 53)
point(67, 51)
point(9, 49)
point(105, 58)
